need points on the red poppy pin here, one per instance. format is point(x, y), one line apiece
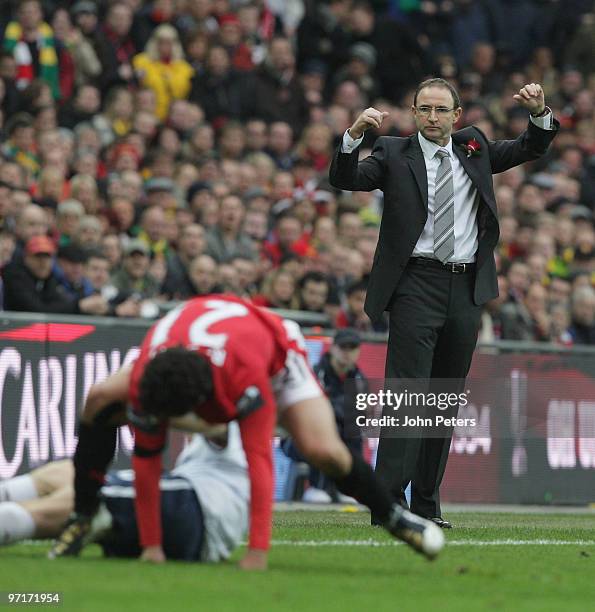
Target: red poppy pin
point(472, 148)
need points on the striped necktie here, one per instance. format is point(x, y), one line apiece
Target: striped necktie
point(444, 209)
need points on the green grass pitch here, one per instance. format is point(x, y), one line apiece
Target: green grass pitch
point(333, 561)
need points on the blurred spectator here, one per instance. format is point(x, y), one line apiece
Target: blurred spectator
point(97, 271)
point(582, 327)
point(247, 274)
point(527, 320)
point(288, 239)
point(203, 275)
point(361, 69)
point(192, 243)
point(31, 41)
point(491, 322)
point(560, 322)
point(89, 232)
point(69, 272)
point(30, 221)
point(227, 240)
point(20, 145)
point(401, 61)
point(323, 33)
point(278, 291)
point(276, 92)
point(280, 144)
point(112, 248)
point(133, 275)
point(353, 315)
point(314, 292)
point(86, 63)
point(68, 216)
point(83, 107)
point(117, 44)
point(162, 67)
point(30, 285)
point(219, 90)
point(152, 231)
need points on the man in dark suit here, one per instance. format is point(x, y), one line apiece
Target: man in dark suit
point(434, 264)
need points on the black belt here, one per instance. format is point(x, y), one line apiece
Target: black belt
point(455, 268)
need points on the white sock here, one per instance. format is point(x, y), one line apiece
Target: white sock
point(19, 488)
point(16, 523)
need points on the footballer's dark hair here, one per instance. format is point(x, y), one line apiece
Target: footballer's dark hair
point(174, 382)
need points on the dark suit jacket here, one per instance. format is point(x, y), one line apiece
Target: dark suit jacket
point(397, 166)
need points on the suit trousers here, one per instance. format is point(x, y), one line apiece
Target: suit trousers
point(433, 332)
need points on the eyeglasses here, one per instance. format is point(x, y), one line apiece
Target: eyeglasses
point(426, 111)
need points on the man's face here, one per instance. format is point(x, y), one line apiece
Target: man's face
point(314, 295)
point(281, 54)
point(40, 265)
point(435, 126)
point(30, 15)
point(344, 358)
point(536, 300)
point(154, 224)
point(73, 271)
point(350, 226)
point(583, 311)
point(6, 203)
point(119, 19)
point(246, 271)
point(192, 242)
point(24, 138)
point(136, 264)
point(356, 301)
point(255, 225)
point(256, 134)
point(32, 223)
point(68, 223)
point(88, 99)
point(559, 291)
point(518, 277)
point(87, 22)
point(289, 231)
point(231, 213)
point(203, 273)
point(97, 271)
point(280, 137)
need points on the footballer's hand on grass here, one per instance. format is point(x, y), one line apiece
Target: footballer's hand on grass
point(370, 118)
point(153, 554)
point(254, 560)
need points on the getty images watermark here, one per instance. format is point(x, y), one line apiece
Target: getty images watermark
point(408, 408)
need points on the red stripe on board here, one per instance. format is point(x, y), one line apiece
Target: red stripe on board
point(52, 332)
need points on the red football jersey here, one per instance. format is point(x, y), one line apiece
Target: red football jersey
point(242, 342)
point(246, 347)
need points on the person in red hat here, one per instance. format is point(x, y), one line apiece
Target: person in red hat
point(231, 36)
point(30, 284)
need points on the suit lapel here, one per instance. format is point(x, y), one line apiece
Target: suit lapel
point(471, 166)
point(415, 159)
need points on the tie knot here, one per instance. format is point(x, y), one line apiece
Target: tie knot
point(441, 154)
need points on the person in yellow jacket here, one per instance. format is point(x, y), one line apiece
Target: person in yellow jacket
point(163, 69)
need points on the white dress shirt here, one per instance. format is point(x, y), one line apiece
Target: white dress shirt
point(466, 197)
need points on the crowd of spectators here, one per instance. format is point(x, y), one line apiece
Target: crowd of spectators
point(152, 151)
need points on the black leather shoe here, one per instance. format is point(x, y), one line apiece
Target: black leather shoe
point(438, 520)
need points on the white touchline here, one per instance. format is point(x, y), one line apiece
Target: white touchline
point(374, 543)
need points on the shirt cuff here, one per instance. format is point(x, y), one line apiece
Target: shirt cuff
point(545, 123)
point(349, 144)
